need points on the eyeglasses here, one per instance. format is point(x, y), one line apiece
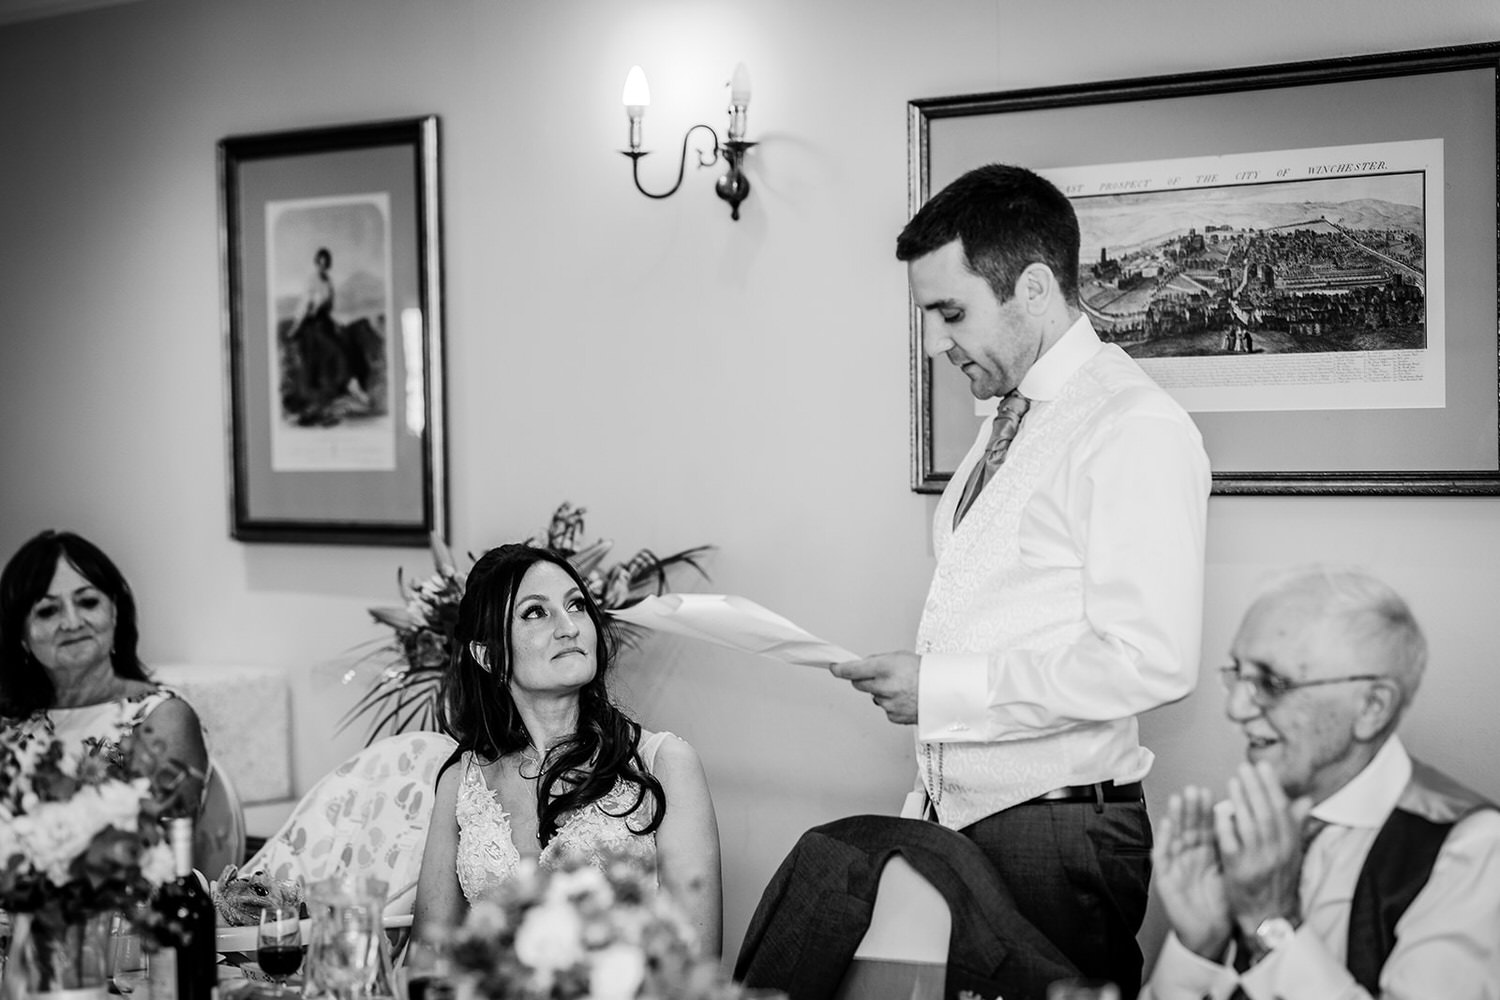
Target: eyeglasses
point(1268, 687)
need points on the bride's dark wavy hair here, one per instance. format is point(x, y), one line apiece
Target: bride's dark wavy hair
point(475, 706)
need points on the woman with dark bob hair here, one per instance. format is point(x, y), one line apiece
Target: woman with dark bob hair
point(69, 668)
point(546, 766)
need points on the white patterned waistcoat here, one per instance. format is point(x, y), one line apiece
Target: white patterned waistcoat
point(983, 599)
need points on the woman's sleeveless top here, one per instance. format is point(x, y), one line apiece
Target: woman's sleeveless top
point(487, 854)
point(93, 730)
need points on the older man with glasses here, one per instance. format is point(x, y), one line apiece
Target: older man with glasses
point(1337, 867)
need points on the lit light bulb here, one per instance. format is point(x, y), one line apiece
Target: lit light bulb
point(637, 95)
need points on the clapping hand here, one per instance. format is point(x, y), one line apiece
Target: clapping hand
point(1260, 844)
point(1187, 874)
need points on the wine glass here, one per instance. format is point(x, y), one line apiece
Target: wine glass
point(278, 945)
point(348, 950)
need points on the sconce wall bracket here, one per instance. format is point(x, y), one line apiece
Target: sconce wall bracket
point(733, 187)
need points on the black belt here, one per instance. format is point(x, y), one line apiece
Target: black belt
point(1101, 791)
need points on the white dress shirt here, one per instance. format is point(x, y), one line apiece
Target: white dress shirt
point(1447, 942)
point(1069, 599)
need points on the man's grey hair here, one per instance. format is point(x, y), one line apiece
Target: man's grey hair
point(1371, 615)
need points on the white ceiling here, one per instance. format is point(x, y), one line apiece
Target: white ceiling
point(12, 11)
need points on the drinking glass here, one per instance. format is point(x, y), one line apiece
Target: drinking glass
point(127, 959)
point(1083, 989)
point(278, 945)
point(348, 959)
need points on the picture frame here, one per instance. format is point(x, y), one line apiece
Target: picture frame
point(1379, 370)
point(330, 245)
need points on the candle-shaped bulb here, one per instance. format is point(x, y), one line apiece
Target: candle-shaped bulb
point(739, 102)
point(636, 95)
point(739, 85)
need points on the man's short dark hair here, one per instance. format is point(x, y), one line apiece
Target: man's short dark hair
point(1007, 218)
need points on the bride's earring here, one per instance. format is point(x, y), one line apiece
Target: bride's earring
point(481, 654)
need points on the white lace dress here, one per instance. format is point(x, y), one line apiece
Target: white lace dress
point(487, 853)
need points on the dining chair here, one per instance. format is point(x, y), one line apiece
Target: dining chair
point(367, 817)
point(219, 837)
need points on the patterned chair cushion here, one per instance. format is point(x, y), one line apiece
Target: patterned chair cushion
point(368, 816)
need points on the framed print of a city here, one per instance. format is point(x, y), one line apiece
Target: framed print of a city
point(1304, 255)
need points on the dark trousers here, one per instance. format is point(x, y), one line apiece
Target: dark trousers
point(1080, 873)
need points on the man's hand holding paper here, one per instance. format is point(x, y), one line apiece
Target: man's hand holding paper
point(890, 679)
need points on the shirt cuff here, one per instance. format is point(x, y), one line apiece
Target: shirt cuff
point(1181, 973)
point(1301, 968)
point(953, 697)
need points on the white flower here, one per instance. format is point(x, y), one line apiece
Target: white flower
point(157, 864)
point(54, 835)
point(549, 938)
point(618, 973)
point(119, 803)
point(584, 885)
point(486, 920)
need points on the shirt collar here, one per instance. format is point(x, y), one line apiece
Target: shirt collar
point(1052, 370)
point(1371, 794)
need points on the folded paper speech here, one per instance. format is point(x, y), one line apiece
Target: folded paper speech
point(735, 622)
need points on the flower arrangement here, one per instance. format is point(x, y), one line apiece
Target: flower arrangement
point(581, 932)
point(403, 694)
point(79, 839)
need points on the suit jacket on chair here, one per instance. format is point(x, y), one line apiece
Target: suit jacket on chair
point(818, 904)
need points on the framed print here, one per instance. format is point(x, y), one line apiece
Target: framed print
point(334, 334)
point(1304, 255)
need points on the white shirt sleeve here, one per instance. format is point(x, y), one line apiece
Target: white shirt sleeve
point(1179, 974)
point(1129, 508)
point(1447, 942)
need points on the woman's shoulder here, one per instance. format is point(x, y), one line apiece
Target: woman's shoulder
point(664, 748)
point(144, 698)
point(134, 689)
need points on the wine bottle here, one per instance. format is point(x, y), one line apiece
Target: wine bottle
point(185, 965)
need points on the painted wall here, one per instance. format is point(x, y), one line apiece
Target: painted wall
point(686, 378)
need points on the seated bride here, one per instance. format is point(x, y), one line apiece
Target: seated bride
point(547, 768)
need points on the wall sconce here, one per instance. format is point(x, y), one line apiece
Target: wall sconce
point(734, 186)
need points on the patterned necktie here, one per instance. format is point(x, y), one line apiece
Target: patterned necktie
point(1007, 420)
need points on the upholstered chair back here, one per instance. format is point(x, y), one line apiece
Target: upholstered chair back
point(368, 817)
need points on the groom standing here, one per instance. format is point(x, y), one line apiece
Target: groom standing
point(1067, 596)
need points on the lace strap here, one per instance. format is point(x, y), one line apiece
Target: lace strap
point(648, 747)
point(473, 777)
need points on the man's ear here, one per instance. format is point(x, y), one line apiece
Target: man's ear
point(1035, 288)
point(1378, 710)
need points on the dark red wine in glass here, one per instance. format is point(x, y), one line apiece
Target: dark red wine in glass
point(278, 946)
point(278, 960)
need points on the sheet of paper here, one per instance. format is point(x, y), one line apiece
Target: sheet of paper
point(736, 622)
